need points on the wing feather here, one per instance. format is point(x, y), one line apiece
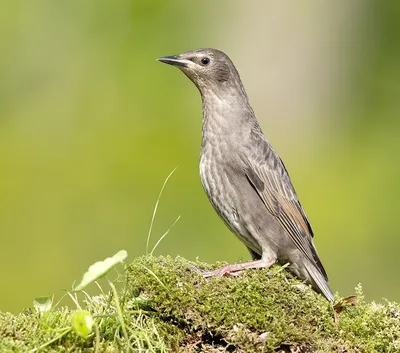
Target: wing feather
point(270, 179)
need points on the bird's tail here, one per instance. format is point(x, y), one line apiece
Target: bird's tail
point(318, 281)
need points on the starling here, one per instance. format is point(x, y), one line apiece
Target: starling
point(244, 178)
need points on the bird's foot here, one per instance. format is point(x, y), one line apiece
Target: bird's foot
point(234, 269)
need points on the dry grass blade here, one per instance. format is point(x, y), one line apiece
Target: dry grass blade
point(155, 209)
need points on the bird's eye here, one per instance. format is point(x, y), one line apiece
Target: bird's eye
point(205, 61)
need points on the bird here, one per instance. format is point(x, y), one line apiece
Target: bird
point(244, 178)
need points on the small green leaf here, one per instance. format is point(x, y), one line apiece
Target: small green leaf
point(100, 269)
point(140, 301)
point(82, 323)
point(43, 304)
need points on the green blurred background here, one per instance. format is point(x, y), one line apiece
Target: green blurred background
point(91, 125)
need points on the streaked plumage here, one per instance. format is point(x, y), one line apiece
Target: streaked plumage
point(243, 177)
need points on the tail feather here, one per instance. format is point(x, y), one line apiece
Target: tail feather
point(319, 282)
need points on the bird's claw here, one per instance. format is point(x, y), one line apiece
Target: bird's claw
point(220, 272)
point(233, 269)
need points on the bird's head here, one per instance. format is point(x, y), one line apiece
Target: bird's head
point(208, 69)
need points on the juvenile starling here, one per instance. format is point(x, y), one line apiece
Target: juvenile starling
point(244, 178)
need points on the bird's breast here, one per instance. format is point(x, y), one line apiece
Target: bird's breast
point(219, 156)
point(217, 176)
point(223, 182)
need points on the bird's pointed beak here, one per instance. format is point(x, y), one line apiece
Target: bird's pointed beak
point(174, 60)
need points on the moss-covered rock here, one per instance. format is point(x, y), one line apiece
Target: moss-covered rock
point(166, 306)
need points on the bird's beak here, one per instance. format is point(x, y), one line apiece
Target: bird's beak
point(174, 60)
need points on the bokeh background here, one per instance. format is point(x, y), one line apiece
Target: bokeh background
point(91, 125)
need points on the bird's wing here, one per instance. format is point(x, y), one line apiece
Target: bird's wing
point(270, 179)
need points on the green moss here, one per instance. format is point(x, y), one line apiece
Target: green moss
point(168, 307)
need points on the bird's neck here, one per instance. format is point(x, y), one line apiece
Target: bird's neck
point(225, 113)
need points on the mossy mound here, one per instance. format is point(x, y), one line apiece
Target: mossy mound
point(166, 306)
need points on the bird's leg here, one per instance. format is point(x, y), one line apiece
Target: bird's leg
point(235, 269)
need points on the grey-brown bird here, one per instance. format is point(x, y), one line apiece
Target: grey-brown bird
point(244, 178)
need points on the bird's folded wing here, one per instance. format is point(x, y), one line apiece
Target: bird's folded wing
point(267, 174)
